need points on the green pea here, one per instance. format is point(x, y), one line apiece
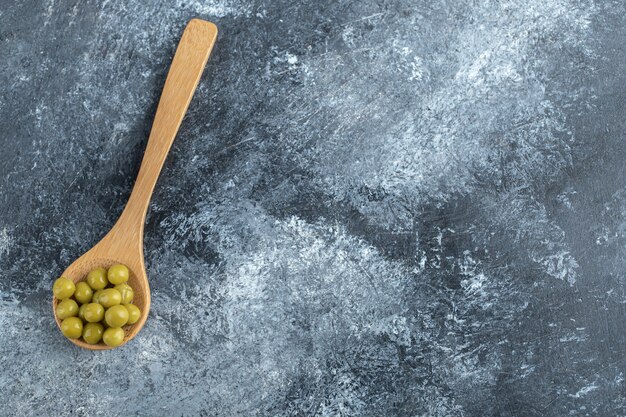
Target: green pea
point(81, 312)
point(72, 327)
point(67, 308)
point(93, 312)
point(110, 297)
point(83, 293)
point(63, 288)
point(97, 279)
point(92, 333)
point(116, 316)
point(96, 296)
point(127, 293)
point(133, 313)
point(113, 336)
point(118, 274)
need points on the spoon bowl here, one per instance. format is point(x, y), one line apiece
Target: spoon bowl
point(78, 271)
point(124, 242)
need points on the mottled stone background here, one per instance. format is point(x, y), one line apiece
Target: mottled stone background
point(373, 208)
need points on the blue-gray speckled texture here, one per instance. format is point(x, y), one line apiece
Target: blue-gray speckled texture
point(373, 208)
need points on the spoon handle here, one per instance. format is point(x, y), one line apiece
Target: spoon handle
point(189, 60)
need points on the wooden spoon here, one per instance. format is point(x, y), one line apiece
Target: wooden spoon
point(124, 242)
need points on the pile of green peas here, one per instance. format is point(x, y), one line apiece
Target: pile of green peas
point(97, 308)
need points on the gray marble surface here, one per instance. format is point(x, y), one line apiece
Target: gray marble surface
point(373, 208)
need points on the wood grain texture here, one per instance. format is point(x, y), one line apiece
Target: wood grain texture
point(124, 242)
